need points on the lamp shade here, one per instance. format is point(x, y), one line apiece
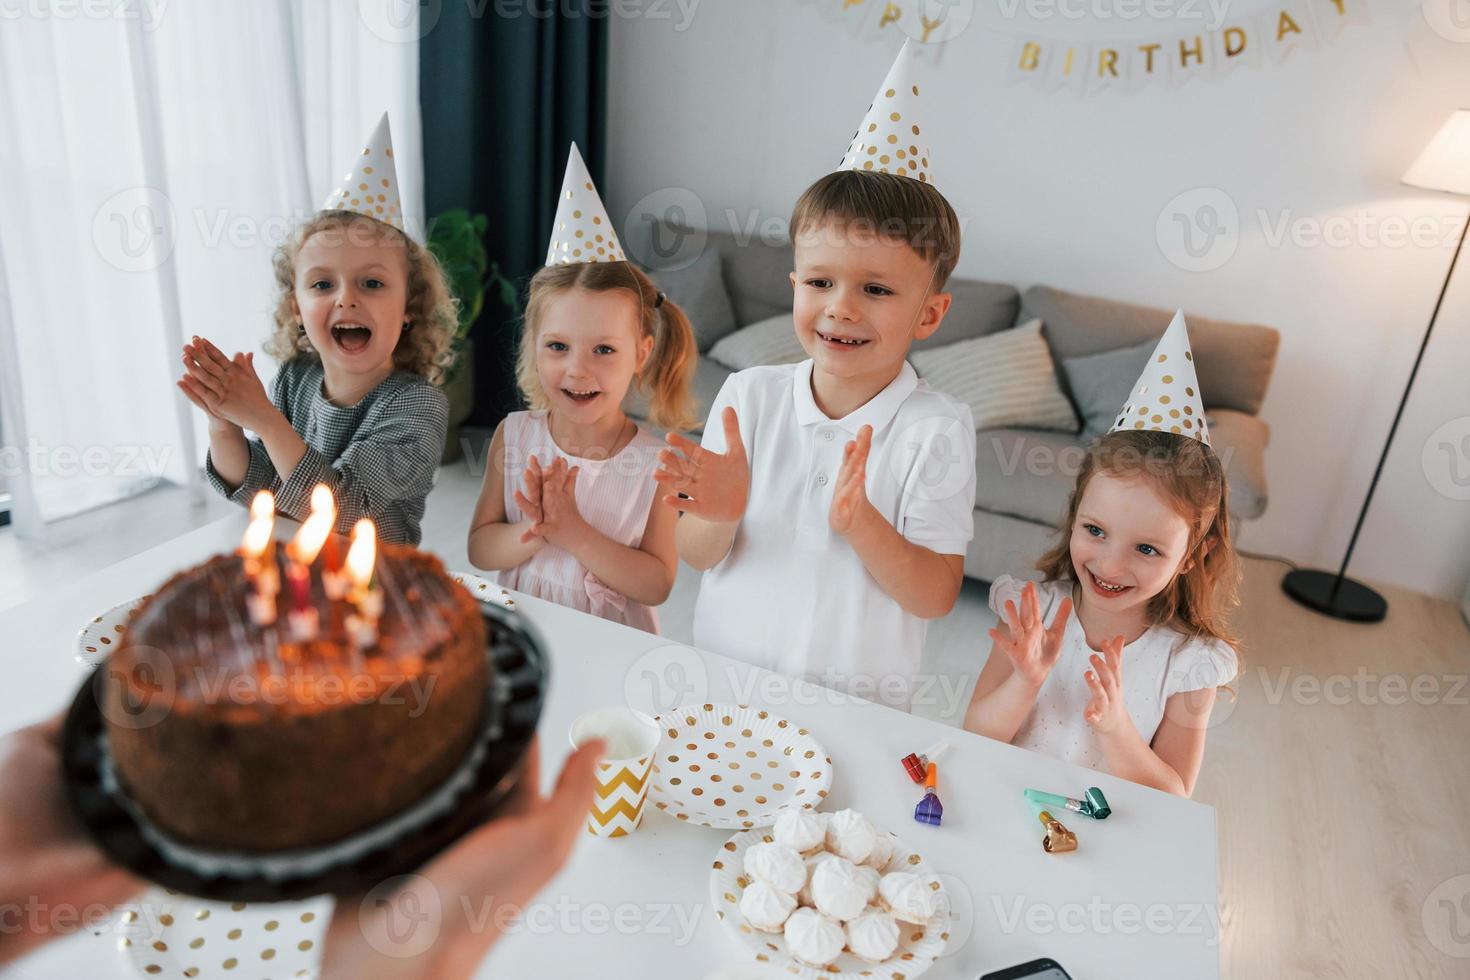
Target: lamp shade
point(1444, 165)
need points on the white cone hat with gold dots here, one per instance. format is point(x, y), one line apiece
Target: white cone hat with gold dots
point(370, 187)
point(1166, 396)
point(582, 231)
point(892, 138)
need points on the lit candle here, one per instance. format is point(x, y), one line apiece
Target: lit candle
point(302, 551)
point(366, 597)
point(258, 549)
point(324, 510)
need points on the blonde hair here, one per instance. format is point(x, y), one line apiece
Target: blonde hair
point(666, 377)
point(889, 206)
point(1189, 475)
point(424, 348)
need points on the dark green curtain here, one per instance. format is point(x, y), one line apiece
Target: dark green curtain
point(502, 99)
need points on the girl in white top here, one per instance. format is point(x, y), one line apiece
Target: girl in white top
point(569, 510)
point(1125, 686)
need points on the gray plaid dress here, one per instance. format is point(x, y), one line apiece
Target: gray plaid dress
point(378, 456)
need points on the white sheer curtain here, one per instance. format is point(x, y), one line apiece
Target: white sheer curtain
point(150, 161)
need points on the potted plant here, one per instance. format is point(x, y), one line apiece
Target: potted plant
point(457, 239)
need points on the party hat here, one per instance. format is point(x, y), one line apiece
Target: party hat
point(582, 231)
point(371, 185)
point(1166, 397)
point(891, 138)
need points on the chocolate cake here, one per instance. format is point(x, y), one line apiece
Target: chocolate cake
point(268, 744)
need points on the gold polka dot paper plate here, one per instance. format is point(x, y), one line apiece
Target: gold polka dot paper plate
point(736, 767)
point(105, 633)
point(483, 589)
point(918, 946)
point(166, 934)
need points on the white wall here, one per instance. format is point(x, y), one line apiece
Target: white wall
point(756, 98)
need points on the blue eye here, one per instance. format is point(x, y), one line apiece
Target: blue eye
point(373, 283)
point(1148, 549)
point(604, 349)
point(321, 284)
point(556, 345)
point(1093, 530)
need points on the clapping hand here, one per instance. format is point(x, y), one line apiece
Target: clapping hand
point(716, 485)
point(1033, 649)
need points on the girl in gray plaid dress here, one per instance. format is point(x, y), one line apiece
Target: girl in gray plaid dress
point(364, 322)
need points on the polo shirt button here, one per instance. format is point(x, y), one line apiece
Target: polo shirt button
point(821, 479)
point(827, 434)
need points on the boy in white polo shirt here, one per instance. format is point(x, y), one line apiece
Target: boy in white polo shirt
point(830, 503)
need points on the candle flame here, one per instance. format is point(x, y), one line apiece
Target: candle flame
point(363, 553)
point(322, 501)
point(262, 520)
point(311, 537)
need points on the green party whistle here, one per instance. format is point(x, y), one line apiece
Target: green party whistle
point(1095, 805)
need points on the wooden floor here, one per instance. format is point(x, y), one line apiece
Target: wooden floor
point(1341, 798)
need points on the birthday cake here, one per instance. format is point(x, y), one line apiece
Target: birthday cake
point(234, 733)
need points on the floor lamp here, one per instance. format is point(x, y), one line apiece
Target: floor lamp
point(1444, 165)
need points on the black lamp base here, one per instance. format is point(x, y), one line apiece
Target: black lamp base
point(1354, 601)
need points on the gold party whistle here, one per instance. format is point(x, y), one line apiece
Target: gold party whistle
point(1058, 838)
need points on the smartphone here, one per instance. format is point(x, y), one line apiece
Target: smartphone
point(1035, 970)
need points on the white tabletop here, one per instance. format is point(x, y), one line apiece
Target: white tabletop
point(1137, 899)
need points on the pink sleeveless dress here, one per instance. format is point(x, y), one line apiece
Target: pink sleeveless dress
point(613, 495)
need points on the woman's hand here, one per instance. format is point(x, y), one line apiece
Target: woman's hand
point(227, 389)
point(48, 862)
point(442, 920)
point(1033, 649)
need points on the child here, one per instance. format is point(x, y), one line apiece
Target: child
point(364, 322)
point(568, 511)
point(1146, 558)
point(830, 503)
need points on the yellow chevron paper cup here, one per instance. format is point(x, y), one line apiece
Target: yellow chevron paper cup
point(623, 775)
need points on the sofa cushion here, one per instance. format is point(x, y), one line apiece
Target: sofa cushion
point(1101, 383)
point(699, 289)
point(1026, 472)
point(708, 377)
point(1006, 378)
point(771, 341)
point(1030, 474)
point(1233, 360)
point(976, 309)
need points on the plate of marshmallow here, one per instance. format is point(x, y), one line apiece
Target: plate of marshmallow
point(829, 895)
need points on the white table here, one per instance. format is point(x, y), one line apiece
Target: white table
point(1137, 899)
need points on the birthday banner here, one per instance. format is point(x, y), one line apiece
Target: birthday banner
point(1121, 65)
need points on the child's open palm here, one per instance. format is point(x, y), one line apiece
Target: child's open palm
point(226, 389)
point(717, 485)
point(1106, 712)
point(1033, 648)
point(550, 501)
point(850, 495)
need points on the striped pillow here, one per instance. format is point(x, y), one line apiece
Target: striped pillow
point(1006, 378)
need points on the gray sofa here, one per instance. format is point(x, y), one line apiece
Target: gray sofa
point(738, 296)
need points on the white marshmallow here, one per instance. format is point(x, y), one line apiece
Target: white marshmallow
point(842, 889)
point(850, 835)
point(908, 897)
point(764, 907)
point(813, 938)
point(801, 830)
point(872, 936)
point(777, 865)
